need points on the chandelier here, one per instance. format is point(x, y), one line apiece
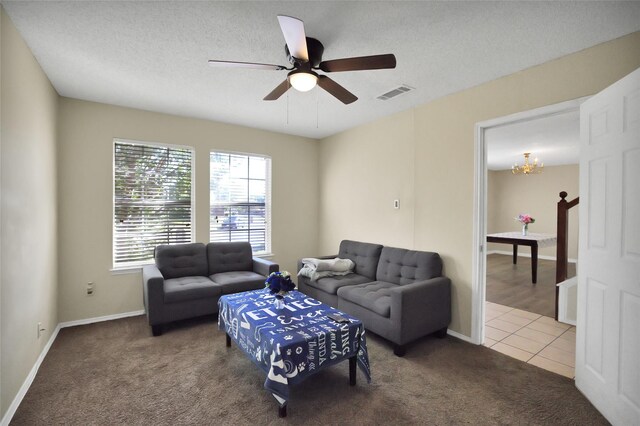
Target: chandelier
point(527, 168)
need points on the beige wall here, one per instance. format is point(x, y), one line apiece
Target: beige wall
point(510, 195)
point(362, 171)
point(442, 161)
point(28, 211)
point(86, 132)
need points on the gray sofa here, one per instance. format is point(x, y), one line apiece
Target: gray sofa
point(188, 279)
point(398, 294)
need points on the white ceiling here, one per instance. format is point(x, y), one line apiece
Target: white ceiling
point(153, 55)
point(554, 140)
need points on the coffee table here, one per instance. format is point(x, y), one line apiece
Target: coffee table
point(292, 343)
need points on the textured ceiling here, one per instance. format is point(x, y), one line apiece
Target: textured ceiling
point(554, 140)
point(153, 55)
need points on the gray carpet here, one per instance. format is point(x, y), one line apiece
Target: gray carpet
point(116, 373)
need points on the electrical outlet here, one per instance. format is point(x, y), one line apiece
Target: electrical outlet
point(90, 288)
point(40, 329)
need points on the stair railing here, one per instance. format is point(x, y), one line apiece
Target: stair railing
point(562, 247)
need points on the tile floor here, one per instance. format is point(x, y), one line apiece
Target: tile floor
point(532, 338)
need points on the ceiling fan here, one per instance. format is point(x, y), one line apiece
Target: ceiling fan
point(305, 55)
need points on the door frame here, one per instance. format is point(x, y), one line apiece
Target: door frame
point(479, 256)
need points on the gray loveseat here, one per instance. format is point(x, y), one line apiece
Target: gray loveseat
point(188, 279)
point(398, 294)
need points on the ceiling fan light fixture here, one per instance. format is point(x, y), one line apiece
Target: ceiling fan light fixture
point(305, 55)
point(302, 80)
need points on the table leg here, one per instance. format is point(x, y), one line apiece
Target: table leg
point(282, 410)
point(228, 340)
point(352, 370)
point(515, 254)
point(534, 264)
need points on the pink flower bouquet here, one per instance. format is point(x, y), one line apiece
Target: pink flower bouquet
point(525, 219)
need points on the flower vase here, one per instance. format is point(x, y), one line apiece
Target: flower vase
point(279, 302)
point(525, 229)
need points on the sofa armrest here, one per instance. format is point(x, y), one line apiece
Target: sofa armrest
point(421, 308)
point(153, 289)
point(332, 256)
point(264, 267)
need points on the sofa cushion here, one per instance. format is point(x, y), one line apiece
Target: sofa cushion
point(190, 288)
point(364, 255)
point(233, 256)
point(401, 266)
point(374, 296)
point(332, 284)
point(238, 281)
point(181, 260)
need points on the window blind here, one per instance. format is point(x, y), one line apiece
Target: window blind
point(152, 200)
point(239, 201)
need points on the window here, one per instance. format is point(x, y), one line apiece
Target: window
point(240, 202)
point(152, 200)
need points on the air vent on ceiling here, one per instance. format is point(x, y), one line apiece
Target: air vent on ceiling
point(395, 92)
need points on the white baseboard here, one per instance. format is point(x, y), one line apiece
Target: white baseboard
point(29, 380)
point(100, 319)
point(32, 374)
point(460, 336)
point(540, 256)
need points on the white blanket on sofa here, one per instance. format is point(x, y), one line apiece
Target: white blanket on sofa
point(314, 269)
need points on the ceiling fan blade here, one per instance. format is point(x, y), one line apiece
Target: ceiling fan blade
point(342, 94)
point(293, 31)
point(232, 64)
point(375, 62)
point(278, 91)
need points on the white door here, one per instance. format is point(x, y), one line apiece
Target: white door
point(608, 330)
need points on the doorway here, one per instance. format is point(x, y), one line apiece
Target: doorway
point(504, 293)
point(530, 191)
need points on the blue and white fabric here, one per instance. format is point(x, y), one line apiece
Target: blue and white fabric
point(292, 343)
